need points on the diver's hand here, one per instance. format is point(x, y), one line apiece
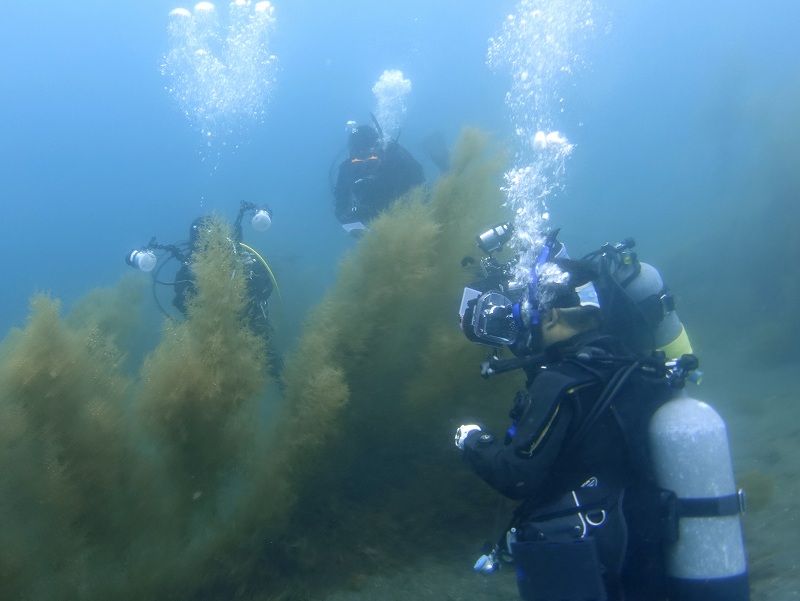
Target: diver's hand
point(463, 432)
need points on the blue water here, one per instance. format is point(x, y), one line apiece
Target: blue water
point(678, 119)
point(95, 156)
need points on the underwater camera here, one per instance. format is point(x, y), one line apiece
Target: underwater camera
point(486, 305)
point(495, 274)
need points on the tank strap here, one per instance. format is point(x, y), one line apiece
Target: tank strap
point(606, 398)
point(711, 507)
point(656, 306)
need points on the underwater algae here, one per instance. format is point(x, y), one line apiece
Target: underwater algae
point(115, 486)
point(170, 483)
point(386, 480)
point(62, 446)
point(204, 371)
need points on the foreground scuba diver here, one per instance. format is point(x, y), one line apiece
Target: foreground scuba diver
point(260, 279)
point(626, 483)
point(372, 177)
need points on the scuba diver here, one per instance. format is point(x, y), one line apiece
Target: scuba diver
point(375, 173)
point(260, 279)
point(613, 463)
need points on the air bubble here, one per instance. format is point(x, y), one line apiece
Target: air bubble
point(221, 69)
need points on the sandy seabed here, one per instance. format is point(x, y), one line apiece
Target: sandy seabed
point(760, 405)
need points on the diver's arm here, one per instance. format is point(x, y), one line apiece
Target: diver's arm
point(518, 467)
point(244, 206)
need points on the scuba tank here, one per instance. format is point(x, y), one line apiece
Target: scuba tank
point(691, 458)
point(637, 307)
point(644, 285)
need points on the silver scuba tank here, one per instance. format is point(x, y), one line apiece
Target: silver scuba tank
point(691, 457)
point(643, 284)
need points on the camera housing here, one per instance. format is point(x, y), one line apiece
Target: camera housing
point(495, 238)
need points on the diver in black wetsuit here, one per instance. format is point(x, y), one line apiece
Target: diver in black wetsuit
point(372, 177)
point(260, 280)
point(593, 523)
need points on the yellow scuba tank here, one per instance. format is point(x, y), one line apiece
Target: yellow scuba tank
point(691, 458)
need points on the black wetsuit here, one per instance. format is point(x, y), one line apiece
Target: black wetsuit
point(556, 455)
point(368, 185)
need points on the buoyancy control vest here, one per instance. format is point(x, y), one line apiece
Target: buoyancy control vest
point(694, 507)
point(577, 544)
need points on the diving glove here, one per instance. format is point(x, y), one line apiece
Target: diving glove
point(463, 432)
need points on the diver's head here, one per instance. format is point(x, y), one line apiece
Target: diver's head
point(198, 225)
point(559, 301)
point(559, 324)
point(363, 141)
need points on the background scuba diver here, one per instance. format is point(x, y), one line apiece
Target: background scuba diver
point(593, 522)
point(260, 279)
point(372, 177)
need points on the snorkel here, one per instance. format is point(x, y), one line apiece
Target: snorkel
point(532, 310)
